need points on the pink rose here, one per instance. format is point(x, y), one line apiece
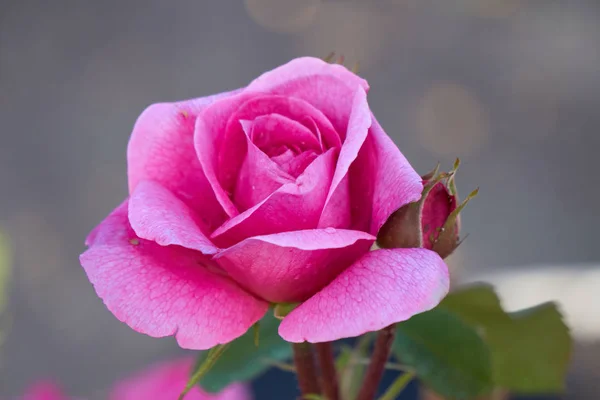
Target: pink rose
point(270, 193)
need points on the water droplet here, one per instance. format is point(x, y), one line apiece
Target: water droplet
point(330, 230)
point(134, 241)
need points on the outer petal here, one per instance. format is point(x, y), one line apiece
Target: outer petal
point(292, 266)
point(322, 84)
point(158, 215)
point(293, 206)
point(381, 288)
point(167, 380)
point(163, 291)
point(302, 67)
point(381, 181)
point(337, 207)
point(161, 148)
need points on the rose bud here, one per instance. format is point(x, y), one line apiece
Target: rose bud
point(432, 222)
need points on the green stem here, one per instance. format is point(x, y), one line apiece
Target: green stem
point(306, 374)
point(397, 386)
point(381, 353)
point(329, 378)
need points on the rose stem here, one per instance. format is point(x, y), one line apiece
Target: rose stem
point(381, 352)
point(329, 378)
point(306, 374)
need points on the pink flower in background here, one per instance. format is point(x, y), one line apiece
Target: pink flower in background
point(167, 380)
point(44, 390)
point(270, 193)
point(163, 381)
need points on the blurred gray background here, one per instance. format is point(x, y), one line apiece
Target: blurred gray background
point(512, 87)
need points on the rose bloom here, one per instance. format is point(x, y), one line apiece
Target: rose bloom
point(272, 193)
point(163, 381)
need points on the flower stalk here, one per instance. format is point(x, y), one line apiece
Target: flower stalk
point(306, 373)
point(329, 378)
point(381, 353)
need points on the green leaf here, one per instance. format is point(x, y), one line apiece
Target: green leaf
point(243, 360)
point(530, 348)
point(446, 353)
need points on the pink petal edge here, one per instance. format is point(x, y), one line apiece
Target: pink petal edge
point(209, 136)
point(336, 211)
point(383, 180)
point(164, 291)
point(158, 215)
point(381, 288)
point(292, 266)
point(302, 67)
point(328, 87)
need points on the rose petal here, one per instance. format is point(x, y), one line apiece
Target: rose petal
point(336, 212)
point(438, 205)
point(323, 85)
point(381, 181)
point(233, 142)
point(209, 142)
point(302, 67)
point(158, 215)
point(161, 148)
point(275, 130)
point(292, 266)
point(258, 178)
point(381, 288)
point(293, 206)
point(312, 125)
point(295, 164)
point(167, 380)
point(163, 291)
